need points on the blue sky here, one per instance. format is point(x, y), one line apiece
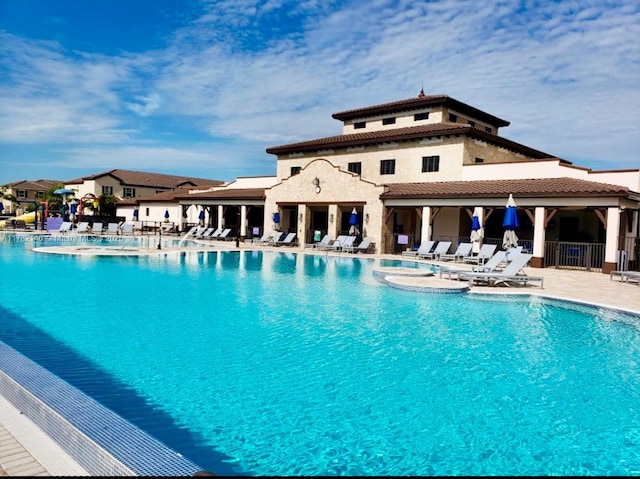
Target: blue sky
point(203, 87)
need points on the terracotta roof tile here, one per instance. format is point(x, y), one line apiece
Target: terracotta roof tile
point(549, 187)
point(149, 180)
point(421, 101)
point(407, 133)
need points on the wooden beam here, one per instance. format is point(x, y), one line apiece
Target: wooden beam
point(469, 212)
point(600, 214)
point(390, 211)
point(548, 215)
point(486, 216)
point(434, 212)
point(530, 215)
point(419, 213)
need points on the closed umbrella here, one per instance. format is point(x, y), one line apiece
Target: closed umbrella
point(201, 217)
point(510, 223)
point(353, 221)
point(166, 215)
point(135, 214)
point(476, 229)
point(1, 207)
point(276, 220)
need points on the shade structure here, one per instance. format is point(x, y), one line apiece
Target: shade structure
point(353, 221)
point(510, 223)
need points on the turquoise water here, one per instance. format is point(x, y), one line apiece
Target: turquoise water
point(265, 363)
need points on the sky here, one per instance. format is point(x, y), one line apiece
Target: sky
point(202, 87)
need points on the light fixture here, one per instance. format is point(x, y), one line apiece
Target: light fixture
point(300, 217)
point(366, 218)
point(331, 218)
point(316, 183)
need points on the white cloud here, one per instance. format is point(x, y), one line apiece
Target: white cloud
point(565, 74)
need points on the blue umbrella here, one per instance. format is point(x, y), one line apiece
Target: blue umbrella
point(510, 223)
point(166, 214)
point(135, 214)
point(476, 229)
point(1, 207)
point(276, 217)
point(73, 208)
point(201, 216)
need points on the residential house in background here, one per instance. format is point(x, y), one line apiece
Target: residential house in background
point(27, 191)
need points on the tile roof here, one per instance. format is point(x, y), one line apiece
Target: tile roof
point(407, 133)
point(170, 195)
point(35, 184)
point(149, 180)
point(548, 187)
point(421, 101)
point(230, 193)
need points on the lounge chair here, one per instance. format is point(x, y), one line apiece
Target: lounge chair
point(277, 236)
point(326, 240)
point(424, 248)
point(493, 264)
point(363, 247)
point(346, 242)
point(264, 239)
point(626, 276)
point(83, 227)
point(113, 228)
point(127, 229)
point(65, 227)
point(224, 235)
point(96, 228)
point(463, 250)
point(289, 240)
point(205, 233)
point(486, 252)
point(333, 245)
point(511, 274)
point(441, 248)
point(216, 233)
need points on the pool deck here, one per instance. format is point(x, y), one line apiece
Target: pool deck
point(27, 451)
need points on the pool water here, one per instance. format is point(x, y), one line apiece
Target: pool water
point(273, 363)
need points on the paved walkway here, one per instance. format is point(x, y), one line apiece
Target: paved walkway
point(27, 451)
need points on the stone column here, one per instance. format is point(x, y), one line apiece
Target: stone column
point(220, 216)
point(538, 238)
point(243, 222)
point(611, 240)
point(333, 221)
point(302, 226)
point(425, 232)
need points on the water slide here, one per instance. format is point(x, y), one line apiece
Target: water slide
point(28, 218)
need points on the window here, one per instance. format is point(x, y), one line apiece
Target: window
point(472, 123)
point(146, 211)
point(487, 129)
point(430, 163)
point(453, 118)
point(387, 167)
point(421, 116)
point(107, 190)
point(360, 124)
point(355, 167)
point(295, 170)
point(479, 160)
point(39, 194)
point(388, 121)
point(22, 193)
point(129, 192)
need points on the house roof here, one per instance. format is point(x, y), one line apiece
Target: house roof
point(230, 193)
point(149, 180)
point(34, 184)
point(407, 133)
point(421, 101)
point(170, 195)
point(547, 187)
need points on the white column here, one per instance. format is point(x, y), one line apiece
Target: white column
point(243, 221)
point(220, 216)
point(613, 228)
point(538, 233)
point(302, 226)
point(333, 221)
point(425, 232)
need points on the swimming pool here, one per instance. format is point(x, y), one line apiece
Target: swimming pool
point(264, 363)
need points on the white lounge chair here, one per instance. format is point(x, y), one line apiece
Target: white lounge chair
point(486, 252)
point(424, 248)
point(288, 240)
point(83, 227)
point(205, 233)
point(511, 274)
point(463, 250)
point(65, 227)
point(441, 248)
point(362, 247)
point(264, 239)
point(127, 228)
point(333, 245)
point(492, 264)
point(277, 236)
point(346, 242)
point(216, 233)
point(626, 276)
point(96, 228)
point(224, 235)
point(113, 228)
point(326, 240)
